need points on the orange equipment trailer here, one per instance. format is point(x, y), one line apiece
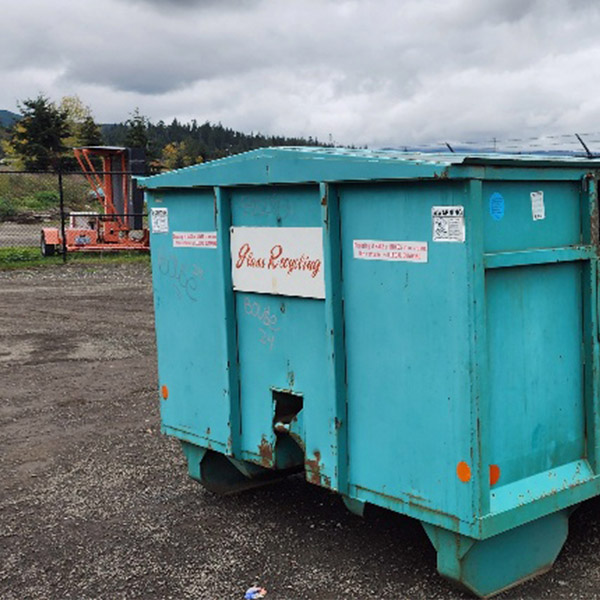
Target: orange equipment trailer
point(120, 225)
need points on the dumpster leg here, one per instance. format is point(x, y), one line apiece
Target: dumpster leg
point(487, 567)
point(224, 475)
point(354, 506)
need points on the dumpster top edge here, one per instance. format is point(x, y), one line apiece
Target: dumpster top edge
point(312, 164)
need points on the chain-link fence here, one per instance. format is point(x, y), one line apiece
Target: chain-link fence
point(28, 202)
point(31, 202)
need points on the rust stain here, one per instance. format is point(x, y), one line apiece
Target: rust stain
point(414, 504)
point(595, 226)
point(417, 498)
point(324, 199)
point(313, 468)
point(265, 451)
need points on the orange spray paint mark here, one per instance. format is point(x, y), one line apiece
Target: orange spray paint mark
point(494, 474)
point(463, 471)
point(164, 391)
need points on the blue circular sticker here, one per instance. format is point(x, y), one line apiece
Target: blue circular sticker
point(496, 206)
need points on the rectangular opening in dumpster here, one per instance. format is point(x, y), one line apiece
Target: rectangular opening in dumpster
point(287, 406)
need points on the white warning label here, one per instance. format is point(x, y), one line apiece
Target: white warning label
point(194, 239)
point(392, 251)
point(538, 209)
point(159, 220)
point(448, 223)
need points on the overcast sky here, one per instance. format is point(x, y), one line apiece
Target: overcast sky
point(378, 72)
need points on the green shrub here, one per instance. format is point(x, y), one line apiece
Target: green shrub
point(14, 255)
point(8, 209)
point(41, 201)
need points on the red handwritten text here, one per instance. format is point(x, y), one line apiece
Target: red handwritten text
point(277, 260)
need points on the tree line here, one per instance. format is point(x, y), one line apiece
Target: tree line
point(43, 138)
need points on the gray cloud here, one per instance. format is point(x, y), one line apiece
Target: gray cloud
point(386, 72)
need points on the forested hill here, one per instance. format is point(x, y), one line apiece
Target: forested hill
point(8, 118)
point(182, 144)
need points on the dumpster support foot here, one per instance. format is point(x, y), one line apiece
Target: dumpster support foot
point(487, 567)
point(354, 506)
point(225, 475)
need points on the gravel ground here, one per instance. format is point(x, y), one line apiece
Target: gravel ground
point(22, 234)
point(96, 503)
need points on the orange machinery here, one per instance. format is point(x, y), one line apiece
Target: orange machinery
point(120, 225)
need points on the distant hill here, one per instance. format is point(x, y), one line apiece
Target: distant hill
point(8, 118)
point(190, 143)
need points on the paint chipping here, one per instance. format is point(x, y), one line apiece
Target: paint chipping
point(313, 468)
point(265, 450)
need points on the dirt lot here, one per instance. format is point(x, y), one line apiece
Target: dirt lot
point(96, 503)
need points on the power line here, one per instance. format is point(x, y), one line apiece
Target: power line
point(569, 142)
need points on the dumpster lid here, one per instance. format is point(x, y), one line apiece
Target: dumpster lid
point(293, 164)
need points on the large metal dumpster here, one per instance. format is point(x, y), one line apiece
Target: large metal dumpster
point(418, 332)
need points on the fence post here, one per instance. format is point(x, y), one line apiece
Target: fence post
point(62, 212)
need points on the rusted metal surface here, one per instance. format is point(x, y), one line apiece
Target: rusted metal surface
point(314, 474)
point(592, 185)
point(265, 451)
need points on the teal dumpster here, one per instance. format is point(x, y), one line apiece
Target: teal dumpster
point(418, 332)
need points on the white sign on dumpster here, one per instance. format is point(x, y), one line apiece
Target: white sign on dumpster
point(159, 220)
point(278, 260)
point(391, 251)
point(194, 239)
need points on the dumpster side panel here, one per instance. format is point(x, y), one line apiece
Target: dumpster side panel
point(534, 329)
point(407, 334)
point(189, 322)
point(281, 339)
point(537, 290)
point(509, 222)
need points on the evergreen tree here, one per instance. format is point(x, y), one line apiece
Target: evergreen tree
point(38, 138)
point(137, 131)
point(89, 133)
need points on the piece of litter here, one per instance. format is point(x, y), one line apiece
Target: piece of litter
point(255, 593)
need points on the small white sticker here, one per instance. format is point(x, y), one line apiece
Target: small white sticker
point(194, 239)
point(391, 251)
point(448, 223)
point(159, 219)
point(538, 210)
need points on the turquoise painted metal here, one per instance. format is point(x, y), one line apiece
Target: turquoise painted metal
point(435, 353)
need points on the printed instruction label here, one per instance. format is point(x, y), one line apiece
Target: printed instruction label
point(392, 251)
point(448, 223)
point(287, 261)
point(538, 210)
point(159, 220)
point(194, 239)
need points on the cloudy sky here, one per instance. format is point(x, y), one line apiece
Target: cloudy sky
point(379, 72)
